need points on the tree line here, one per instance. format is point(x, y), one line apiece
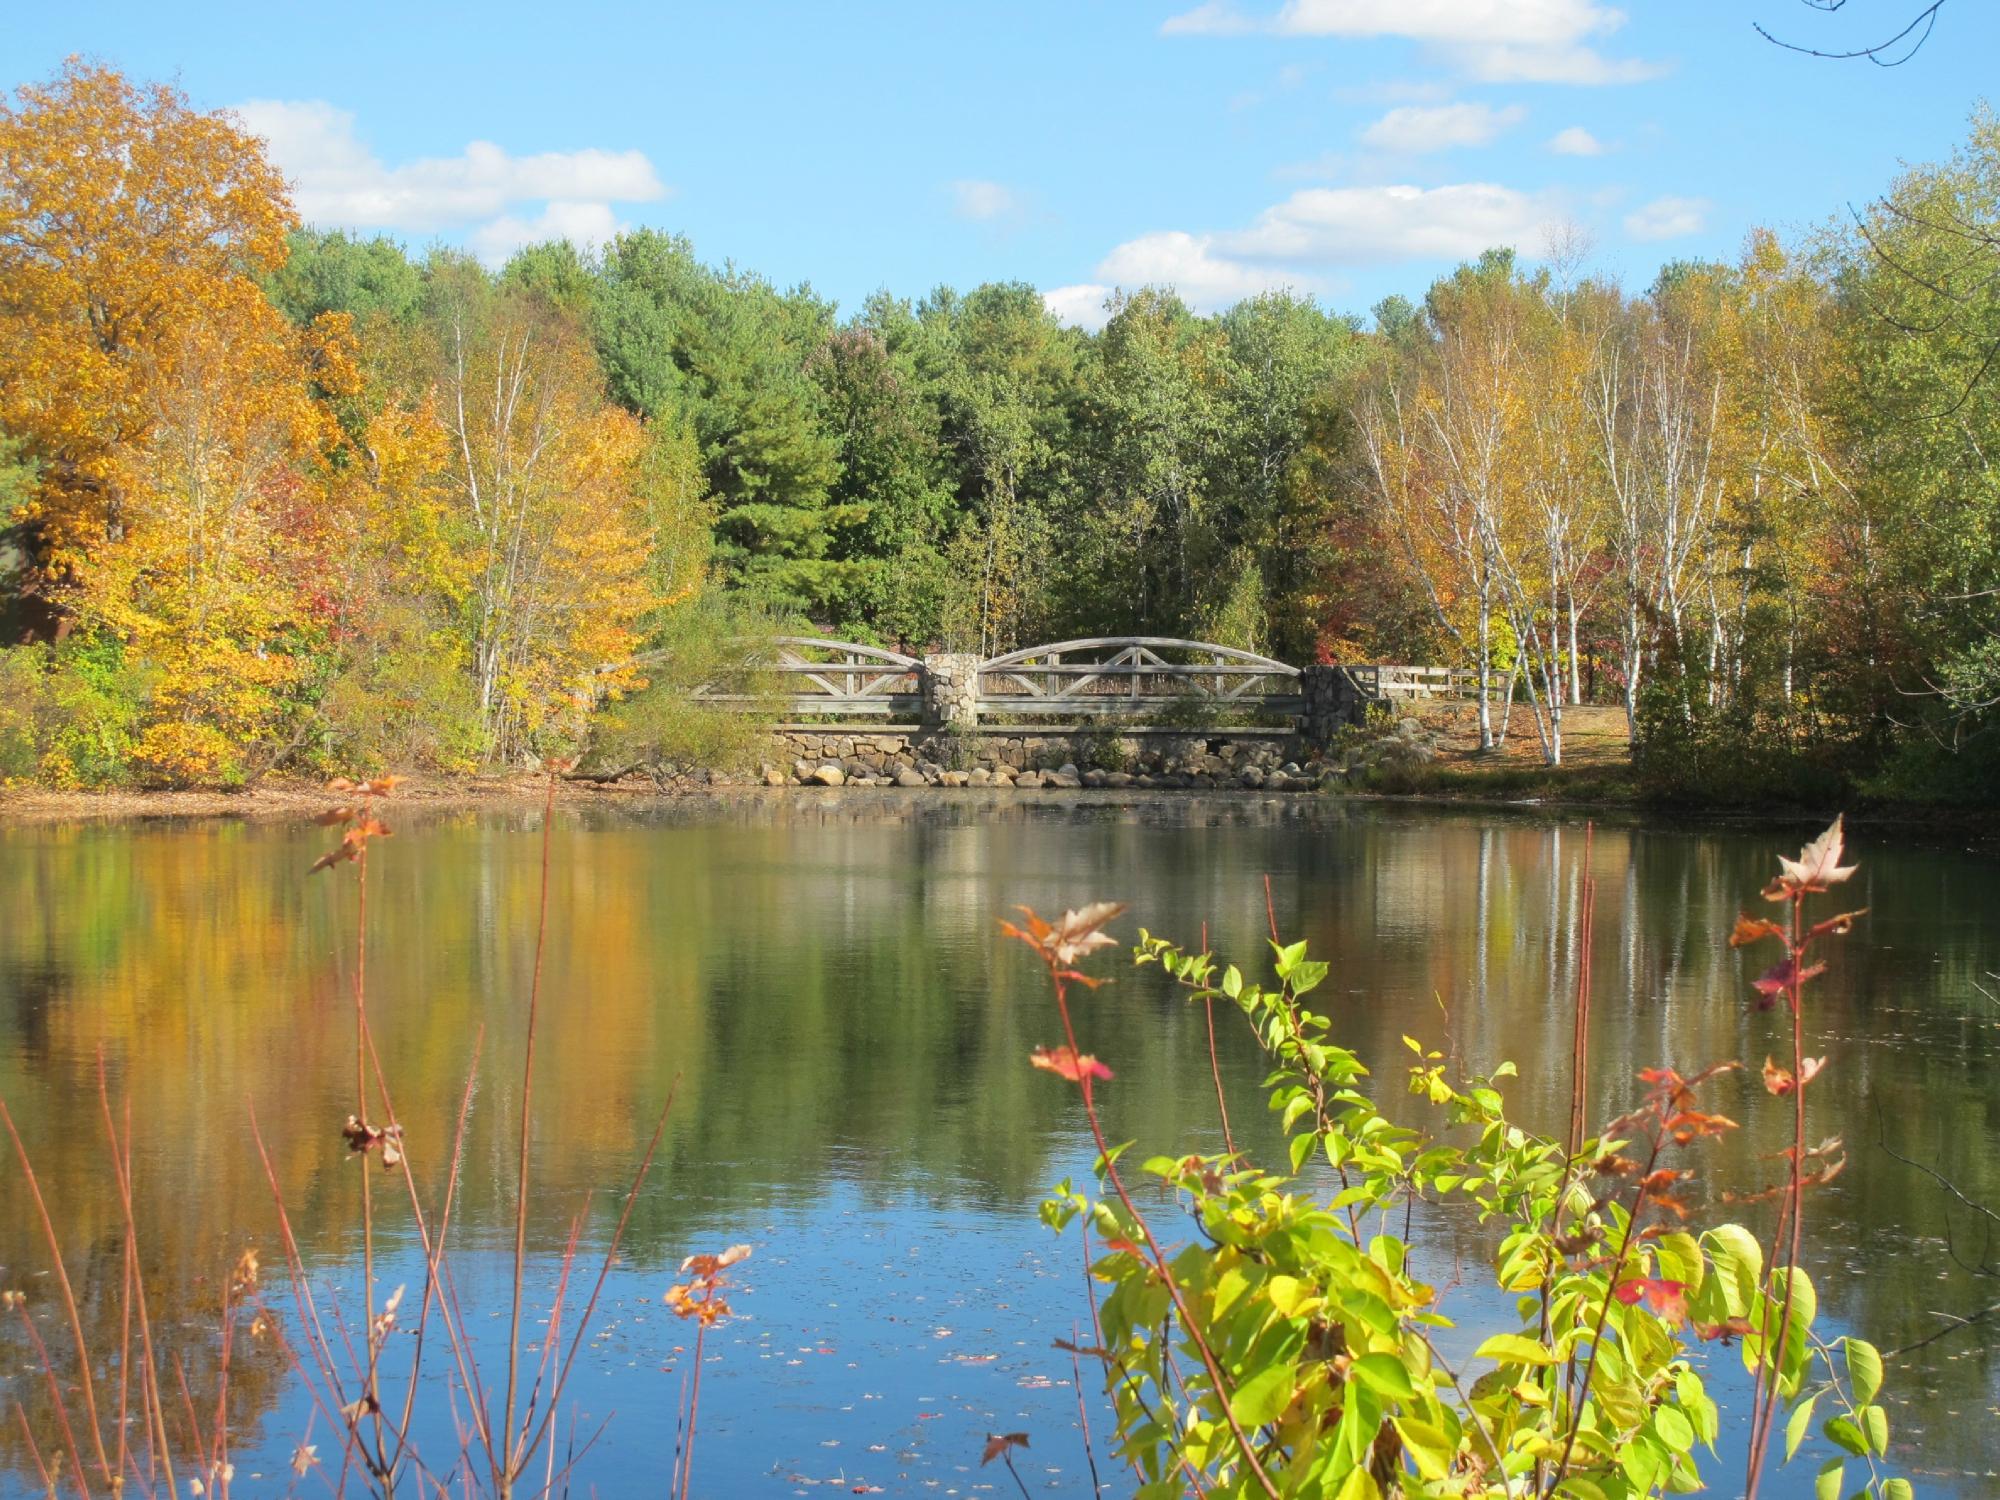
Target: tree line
point(289, 498)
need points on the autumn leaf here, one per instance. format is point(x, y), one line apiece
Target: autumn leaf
point(1818, 867)
point(1780, 978)
point(1065, 1062)
point(1666, 1299)
point(334, 816)
point(997, 1445)
point(1838, 926)
point(1073, 935)
point(1753, 930)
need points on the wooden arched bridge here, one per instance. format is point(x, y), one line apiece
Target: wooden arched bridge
point(1131, 679)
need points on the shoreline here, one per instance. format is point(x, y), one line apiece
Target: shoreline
point(282, 801)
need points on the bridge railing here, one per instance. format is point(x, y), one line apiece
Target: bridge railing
point(833, 679)
point(1134, 677)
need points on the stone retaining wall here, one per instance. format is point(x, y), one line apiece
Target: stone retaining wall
point(841, 757)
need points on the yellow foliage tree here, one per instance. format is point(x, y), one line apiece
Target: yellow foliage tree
point(173, 411)
point(524, 501)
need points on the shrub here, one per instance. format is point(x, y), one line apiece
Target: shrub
point(1292, 1347)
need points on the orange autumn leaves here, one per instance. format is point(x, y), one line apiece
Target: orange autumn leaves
point(1060, 944)
point(174, 414)
point(301, 540)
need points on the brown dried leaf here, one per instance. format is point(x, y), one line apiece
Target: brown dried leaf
point(997, 1445)
point(1753, 930)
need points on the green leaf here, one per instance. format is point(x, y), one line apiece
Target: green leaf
point(1673, 1429)
point(1358, 1485)
point(1875, 1423)
point(1864, 1370)
point(1429, 1448)
point(1514, 1349)
point(1291, 1296)
point(1842, 1432)
point(1827, 1486)
point(1385, 1373)
point(1897, 1489)
point(1741, 1259)
point(1264, 1396)
point(1801, 1421)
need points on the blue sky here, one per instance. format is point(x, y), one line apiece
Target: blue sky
point(1351, 148)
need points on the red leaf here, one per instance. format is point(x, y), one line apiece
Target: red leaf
point(1667, 1299)
point(1780, 977)
point(1065, 1062)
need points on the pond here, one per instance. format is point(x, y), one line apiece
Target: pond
point(820, 982)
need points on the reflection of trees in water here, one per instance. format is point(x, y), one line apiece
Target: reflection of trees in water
point(825, 978)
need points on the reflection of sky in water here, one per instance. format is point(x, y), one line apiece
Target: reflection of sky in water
point(825, 979)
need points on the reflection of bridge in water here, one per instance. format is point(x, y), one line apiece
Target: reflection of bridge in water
point(1140, 681)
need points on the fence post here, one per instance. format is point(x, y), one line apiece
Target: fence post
point(951, 692)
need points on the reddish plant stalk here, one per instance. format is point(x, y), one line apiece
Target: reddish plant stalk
point(504, 1480)
point(1214, 1067)
point(1770, 1370)
point(149, 1384)
point(1220, 1385)
point(68, 1300)
point(1604, 1311)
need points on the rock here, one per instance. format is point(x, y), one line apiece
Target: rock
point(910, 778)
point(1061, 781)
point(1118, 778)
point(1068, 768)
point(1008, 769)
point(802, 770)
point(774, 777)
point(1251, 777)
point(1094, 777)
point(1409, 729)
point(953, 778)
point(1290, 768)
point(979, 776)
point(890, 744)
point(828, 775)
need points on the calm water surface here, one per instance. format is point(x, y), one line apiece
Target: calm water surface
point(825, 980)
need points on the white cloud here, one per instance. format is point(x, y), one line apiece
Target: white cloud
point(1667, 218)
point(1496, 41)
point(1211, 18)
point(1415, 129)
point(982, 201)
point(1294, 243)
point(1081, 306)
point(1188, 263)
point(585, 225)
point(1576, 141)
point(338, 181)
point(1377, 225)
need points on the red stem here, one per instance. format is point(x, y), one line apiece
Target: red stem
point(1138, 1219)
point(504, 1481)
